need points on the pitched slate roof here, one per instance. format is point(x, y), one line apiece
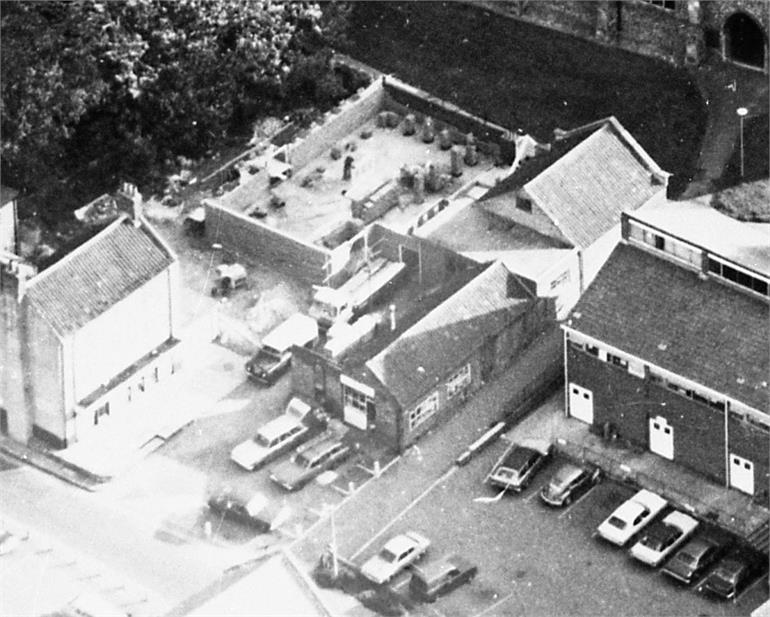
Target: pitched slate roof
point(99, 273)
point(422, 356)
point(698, 328)
point(587, 180)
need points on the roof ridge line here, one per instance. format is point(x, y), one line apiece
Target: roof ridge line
point(76, 251)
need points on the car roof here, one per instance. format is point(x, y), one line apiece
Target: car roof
point(321, 446)
point(278, 426)
point(649, 499)
point(399, 544)
point(629, 509)
point(436, 568)
point(567, 473)
point(662, 530)
point(680, 520)
point(697, 546)
point(518, 455)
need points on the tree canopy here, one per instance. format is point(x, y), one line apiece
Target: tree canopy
point(118, 87)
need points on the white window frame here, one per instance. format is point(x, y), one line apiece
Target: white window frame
point(423, 410)
point(351, 397)
point(458, 381)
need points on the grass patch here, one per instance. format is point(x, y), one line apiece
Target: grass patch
point(523, 76)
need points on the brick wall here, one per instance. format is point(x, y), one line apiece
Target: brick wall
point(628, 402)
point(336, 126)
point(245, 236)
point(404, 98)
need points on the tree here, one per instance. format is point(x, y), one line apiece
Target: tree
point(116, 88)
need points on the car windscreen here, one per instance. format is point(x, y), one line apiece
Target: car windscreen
point(387, 555)
point(271, 351)
point(564, 477)
point(262, 440)
point(617, 522)
point(303, 461)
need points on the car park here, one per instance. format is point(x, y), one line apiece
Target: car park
point(397, 554)
point(661, 538)
point(323, 452)
point(569, 483)
point(518, 466)
point(630, 517)
point(730, 576)
point(279, 435)
point(256, 510)
point(437, 578)
point(693, 559)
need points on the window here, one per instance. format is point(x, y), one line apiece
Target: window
point(617, 361)
point(660, 242)
point(739, 277)
point(524, 204)
point(354, 398)
point(457, 382)
point(423, 411)
point(592, 349)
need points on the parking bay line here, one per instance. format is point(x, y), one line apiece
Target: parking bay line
point(448, 474)
point(574, 505)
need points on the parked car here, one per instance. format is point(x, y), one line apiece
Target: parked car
point(661, 538)
point(630, 517)
point(397, 554)
point(730, 577)
point(321, 453)
point(255, 510)
point(273, 358)
point(229, 277)
point(434, 579)
point(279, 435)
point(691, 561)
point(569, 483)
point(519, 465)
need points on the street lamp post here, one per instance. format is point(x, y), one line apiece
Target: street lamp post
point(742, 113)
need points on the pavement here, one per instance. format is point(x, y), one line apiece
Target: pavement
point(725, 87)
point(731, 509)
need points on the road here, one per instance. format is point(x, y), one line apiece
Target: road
point(96, 529)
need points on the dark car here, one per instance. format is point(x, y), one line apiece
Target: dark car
point(434, 579)
point(691, 561)
point(568, 484)
point(519, 465)
point(255, 511)
point(730, 576)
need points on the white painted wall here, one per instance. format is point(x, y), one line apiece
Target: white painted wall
point(120, 336)
point(8, 227)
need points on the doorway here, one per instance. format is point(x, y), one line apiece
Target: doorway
point(744, 41)
point(581, 403)
point(741, 474)
point(662, 437)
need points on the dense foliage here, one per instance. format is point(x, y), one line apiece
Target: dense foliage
point(108, 91)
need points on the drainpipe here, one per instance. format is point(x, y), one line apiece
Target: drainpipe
point(727, 444)
point(566, 377)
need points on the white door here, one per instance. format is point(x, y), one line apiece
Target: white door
point(741, 474)
point(581, 403)
point(355, 417)
point(662, 437)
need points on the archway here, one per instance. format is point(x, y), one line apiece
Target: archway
point(744, 40)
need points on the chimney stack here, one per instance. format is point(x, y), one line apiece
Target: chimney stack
point(129, 200)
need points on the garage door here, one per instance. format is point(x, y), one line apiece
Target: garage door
point(741, 474)
point(661, 437)
point(581, 403)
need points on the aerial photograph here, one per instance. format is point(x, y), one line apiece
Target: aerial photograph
point(384, 308)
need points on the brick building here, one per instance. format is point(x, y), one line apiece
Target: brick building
point(668, 347)
point(569, 197)
point(453, 326)
point(679, 31)
point(91, 333)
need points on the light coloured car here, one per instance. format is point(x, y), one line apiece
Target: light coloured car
point(631, 516)
point(661, 538)
point(397, 554)
point(279, 435)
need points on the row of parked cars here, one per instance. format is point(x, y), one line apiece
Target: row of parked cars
point(659, 534)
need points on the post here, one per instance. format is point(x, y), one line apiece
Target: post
point(335, 565)
point(742, 112)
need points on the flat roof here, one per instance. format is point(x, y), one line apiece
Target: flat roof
point(313, 201)
point(696, 222)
